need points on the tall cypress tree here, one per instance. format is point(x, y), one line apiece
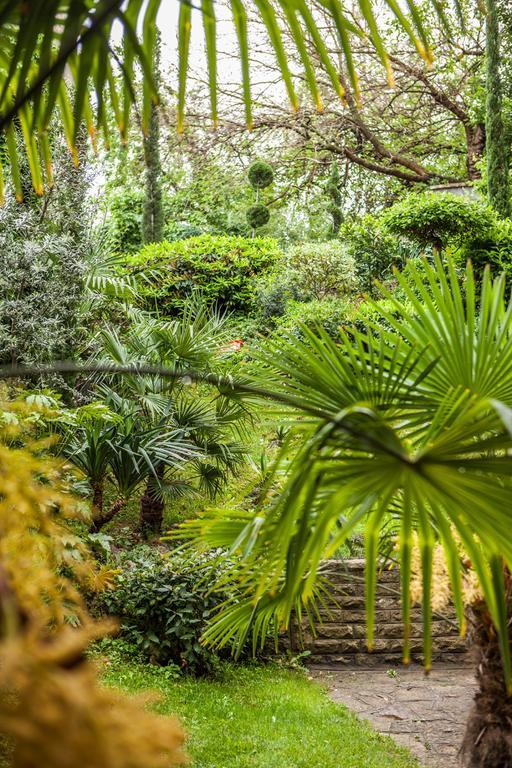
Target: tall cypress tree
point(333, 190)
point(153, 214)
point(497, 145)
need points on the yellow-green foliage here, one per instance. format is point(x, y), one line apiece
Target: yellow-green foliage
point(53, 713)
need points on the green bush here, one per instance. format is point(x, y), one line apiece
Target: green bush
point(273, 291)
point(494, 249)
point(260, 174)
point(374, 250)
point(221, 268)
point(125, 224)
point(258, 215)
point(330, 314)
point(163, 604)
point(438, 219)
point(322, 269)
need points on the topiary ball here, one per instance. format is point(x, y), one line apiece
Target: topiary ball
point(260, 175)
point(258, 215)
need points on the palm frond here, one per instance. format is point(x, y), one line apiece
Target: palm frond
point(58, 56)
point(411, 424)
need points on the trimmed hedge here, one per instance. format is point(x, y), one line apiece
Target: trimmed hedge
point(220, 268)
point(438, 220)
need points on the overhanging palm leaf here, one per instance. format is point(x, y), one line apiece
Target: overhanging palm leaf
point(414, 421)
point(58, 56)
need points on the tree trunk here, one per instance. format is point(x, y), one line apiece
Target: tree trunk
point(488, 737)
point(98, 522)
point(152, 505)
point(97, 500)
point(153, 214)
point(475, 143)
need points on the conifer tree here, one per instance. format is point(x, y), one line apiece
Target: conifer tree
point(153, 214)
point(498, 149)
point(332, 189)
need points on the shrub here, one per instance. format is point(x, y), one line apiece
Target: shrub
point(260, 175)
point(330, 314)
point(258, 215)
point(125, 222)
point(322, 269)
point(125, 225)
point(42, 287)
point(493, 248)
point(274, 290)
point(374, 250)
point(221, 268)
point(163, 603)
point(438, 219)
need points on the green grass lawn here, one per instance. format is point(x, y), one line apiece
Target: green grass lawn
point(261, 717)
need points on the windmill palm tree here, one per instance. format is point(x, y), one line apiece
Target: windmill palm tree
point(119, 447)
point(413, 421)
point(209, 422)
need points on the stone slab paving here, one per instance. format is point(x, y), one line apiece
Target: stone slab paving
point(426, 714)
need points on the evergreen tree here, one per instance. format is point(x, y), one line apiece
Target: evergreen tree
point(333, 191)
point(153, 215)
point(498, 149)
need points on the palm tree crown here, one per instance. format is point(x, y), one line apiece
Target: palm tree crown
point(410, 420)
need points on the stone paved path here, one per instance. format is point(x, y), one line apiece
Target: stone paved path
point(424, 714)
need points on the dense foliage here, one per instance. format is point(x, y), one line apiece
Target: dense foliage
point(220, 269)
point(260, 175)
point(374, 250)
point(398, 411)
point(493, 247)
point(42, 287)
point(321, 269)
point(164, 603)
point(51, 704)
point(438, 220)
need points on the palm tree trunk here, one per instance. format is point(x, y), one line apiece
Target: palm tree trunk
point(152, 505)
point(101, 520)
point(488, 738)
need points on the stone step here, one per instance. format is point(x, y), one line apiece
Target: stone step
point(339, 638)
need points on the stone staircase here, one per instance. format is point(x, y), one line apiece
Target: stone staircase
point(340, 638)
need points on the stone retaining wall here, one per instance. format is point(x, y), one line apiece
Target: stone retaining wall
point(340, 638)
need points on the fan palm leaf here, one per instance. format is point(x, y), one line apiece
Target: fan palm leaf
point(58, 56)
point(413, 422)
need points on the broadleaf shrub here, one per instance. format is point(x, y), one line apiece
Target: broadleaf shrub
point(439, 220)
point(221, 268)
point(163, 602)
point(374, 250)
point(322, 269)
